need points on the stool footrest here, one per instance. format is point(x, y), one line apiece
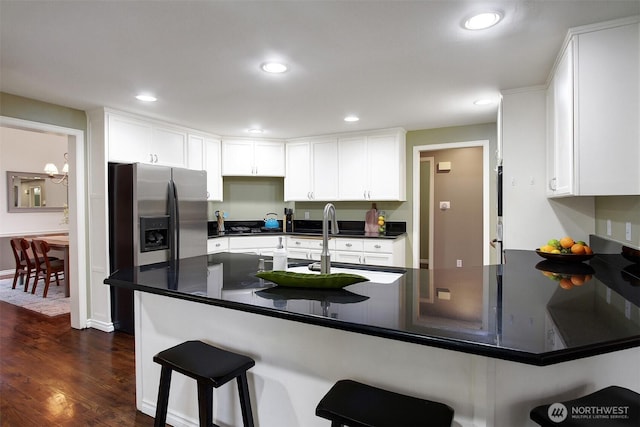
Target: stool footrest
point(359, 405)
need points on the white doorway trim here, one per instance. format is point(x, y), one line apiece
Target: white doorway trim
point(432, 175)
point(486, 221)
point(77, 212)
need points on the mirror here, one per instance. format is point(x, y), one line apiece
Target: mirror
point(35, 192)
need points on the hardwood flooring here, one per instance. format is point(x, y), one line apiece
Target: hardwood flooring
point(53, 375)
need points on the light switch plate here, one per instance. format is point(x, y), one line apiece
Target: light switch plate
point(445, 205)
point(627, 231)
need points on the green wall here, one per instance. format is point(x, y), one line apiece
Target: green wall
point(620, 210)
point(42, 112)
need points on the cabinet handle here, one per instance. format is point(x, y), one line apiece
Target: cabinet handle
point(217, 245)
point(297, 243)
point(348, 245)
point(150, 157)
point(155, 156)
point(365, 194)
point(208, 194)
point(313, 196)
point(377, 246)
point(552, 184)
point(368, 194)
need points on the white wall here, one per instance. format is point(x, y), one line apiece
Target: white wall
point(25, 151)
point(530, 218)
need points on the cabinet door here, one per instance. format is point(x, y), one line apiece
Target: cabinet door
point(385, 260)
point(195, 152)
point(384, 174)
point(169, 147)
point(352, 168)
point(213, 168)
point(324, 154)
point(268, 158)
point(237, 158)
point(297, 183)
point(607, 140)
point(348, 257)
point(129, 140)
point(562, 136)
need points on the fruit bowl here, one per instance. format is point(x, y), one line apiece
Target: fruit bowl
point(564, 258)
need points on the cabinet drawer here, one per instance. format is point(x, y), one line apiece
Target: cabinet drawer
point(355, 245)
point(220, 244)
point(250, 242)
point(307, 243)
point(378, 245)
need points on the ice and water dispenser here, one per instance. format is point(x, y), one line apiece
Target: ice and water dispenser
point(154, 233)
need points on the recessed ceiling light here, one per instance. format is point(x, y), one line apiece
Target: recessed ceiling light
point(482, 21)
point(351, 119)
point(484, 101)
point(274, 67)
point(146, 98)
point(255, 131)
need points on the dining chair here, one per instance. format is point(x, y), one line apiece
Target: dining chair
point(24, 263)
point(47, 267)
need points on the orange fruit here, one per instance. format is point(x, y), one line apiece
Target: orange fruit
point(577, 249)
point(577, 280)
point(588, 250)
point(567, 242)
point(565, 283)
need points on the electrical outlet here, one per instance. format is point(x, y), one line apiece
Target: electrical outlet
point(306, 215)
point(458, 263)
point(608, 227)
point(445, 205)
point(627, 231)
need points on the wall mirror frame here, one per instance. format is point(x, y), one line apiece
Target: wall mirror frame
point(35, 192)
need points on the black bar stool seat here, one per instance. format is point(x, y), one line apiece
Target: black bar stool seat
point(355, 404)
point(611, 406)
point(210, 367)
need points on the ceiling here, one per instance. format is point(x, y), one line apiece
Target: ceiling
point(392, 63)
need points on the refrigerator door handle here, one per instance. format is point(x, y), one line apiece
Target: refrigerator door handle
point(174, 229)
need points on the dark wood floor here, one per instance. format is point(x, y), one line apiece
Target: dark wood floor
point(53, 375)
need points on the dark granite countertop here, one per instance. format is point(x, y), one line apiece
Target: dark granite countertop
point(507, 312)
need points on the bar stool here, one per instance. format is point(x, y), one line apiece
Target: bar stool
point(210, 367)
point(359, 405)
point(591, 410)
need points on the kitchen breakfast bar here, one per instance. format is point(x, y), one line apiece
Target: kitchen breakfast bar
point(492, 342)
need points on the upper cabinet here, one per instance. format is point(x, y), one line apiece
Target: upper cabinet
point(311, 170)
point(204, 154)
point(372, 166)
point(593, 101)
point(245, 157)
point(136, 140)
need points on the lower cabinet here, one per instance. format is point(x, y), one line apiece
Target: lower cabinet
point(217, 245)
point(370, 251)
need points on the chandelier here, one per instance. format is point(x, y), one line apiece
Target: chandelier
point(51, 170)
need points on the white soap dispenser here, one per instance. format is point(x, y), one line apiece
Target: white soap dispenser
point(280, 257)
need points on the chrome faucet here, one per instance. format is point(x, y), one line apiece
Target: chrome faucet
point(325, 258)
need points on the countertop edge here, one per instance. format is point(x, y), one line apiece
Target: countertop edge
point(543, 359)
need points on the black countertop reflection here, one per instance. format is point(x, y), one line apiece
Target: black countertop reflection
point(506, 312)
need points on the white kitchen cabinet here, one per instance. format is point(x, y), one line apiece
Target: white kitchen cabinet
point(217, 245)
point(255, 245)
point(244, 157)
point(594, 104)
point(371, 251)
point(371, 166)
point(204, 154)
point(131, 139)
point(169, 146)
point(311, 170)
point(560, 127)
point(307, 247)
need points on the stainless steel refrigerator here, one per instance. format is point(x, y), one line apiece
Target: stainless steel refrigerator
point(156, 214)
